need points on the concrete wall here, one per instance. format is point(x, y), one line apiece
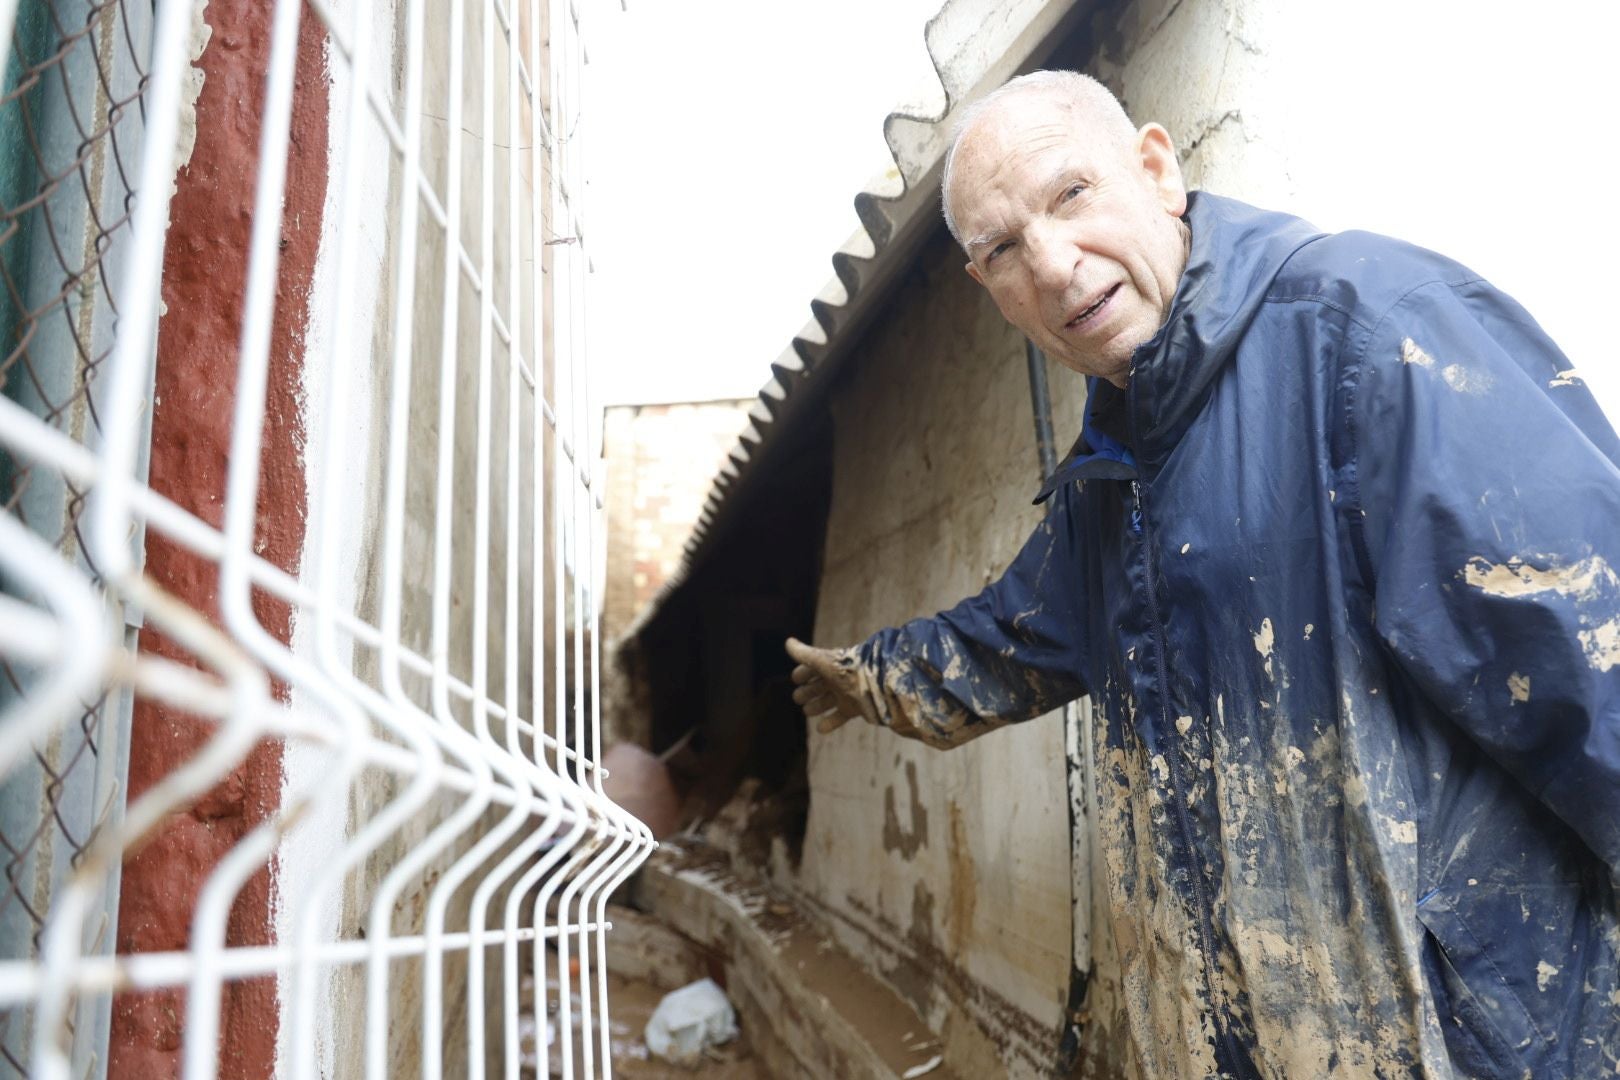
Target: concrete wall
point(356, 574)
point(950, 869)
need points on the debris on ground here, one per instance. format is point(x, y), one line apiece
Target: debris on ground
point(690, 1021)
point(924, 1069)
point(809, 1007)
point(631, 1004)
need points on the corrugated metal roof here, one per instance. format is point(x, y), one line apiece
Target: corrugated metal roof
point(975, 46)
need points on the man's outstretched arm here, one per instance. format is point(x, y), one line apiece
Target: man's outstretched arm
point(1011, 653)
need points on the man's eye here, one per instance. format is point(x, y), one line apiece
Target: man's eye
point(1005, 245)
point(1072, 191)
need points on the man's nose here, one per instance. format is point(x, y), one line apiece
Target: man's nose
point(1051, 258)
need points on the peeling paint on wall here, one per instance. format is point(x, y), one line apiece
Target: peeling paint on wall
point(204, 277)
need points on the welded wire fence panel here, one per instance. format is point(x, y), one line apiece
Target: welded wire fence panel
point(299, 721)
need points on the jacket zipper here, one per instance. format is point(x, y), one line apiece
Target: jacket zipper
point(1143, 527)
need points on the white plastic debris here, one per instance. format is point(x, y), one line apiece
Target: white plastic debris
point(924, 1069)
point(690, 1020)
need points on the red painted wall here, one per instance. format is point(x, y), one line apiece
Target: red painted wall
point(204, 277)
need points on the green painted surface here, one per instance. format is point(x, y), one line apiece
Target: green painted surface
point(19, 170)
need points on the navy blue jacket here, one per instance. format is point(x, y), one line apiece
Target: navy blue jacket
point(1345, 593)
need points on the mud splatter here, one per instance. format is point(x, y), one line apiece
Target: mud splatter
point(1518, 577)
point(1263, 642)
point(1464, 381)
point(1544, 974)
point(1412, 353)
point(1292, 758)
point(1456, 376)
point(1161, 977)
point(1565, 378)
point(1519, 687)
point(1602, 645)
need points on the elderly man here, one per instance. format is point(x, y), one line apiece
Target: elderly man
point(1337, 558)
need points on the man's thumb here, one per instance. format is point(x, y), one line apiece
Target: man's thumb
point(800, 652)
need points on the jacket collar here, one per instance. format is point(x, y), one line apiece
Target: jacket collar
point(1236, 252)
point(1096, 455)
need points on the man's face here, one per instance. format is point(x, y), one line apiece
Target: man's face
point(1076, 237)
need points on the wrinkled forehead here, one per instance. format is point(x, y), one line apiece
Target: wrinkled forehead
point(1012, 145)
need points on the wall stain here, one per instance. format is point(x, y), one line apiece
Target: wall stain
point(922, 912)
point(897, 839)
point(964, 884)
point(924, 974)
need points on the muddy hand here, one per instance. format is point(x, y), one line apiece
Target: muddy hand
point(826, 685)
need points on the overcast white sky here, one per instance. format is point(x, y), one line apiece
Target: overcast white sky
point(727, 140)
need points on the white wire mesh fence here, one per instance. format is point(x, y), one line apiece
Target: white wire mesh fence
point(413, 678)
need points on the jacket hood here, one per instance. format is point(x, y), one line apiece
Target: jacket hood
point(1237, 250)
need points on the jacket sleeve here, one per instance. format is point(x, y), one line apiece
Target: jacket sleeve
point(1487, 478)
point(1011, 653)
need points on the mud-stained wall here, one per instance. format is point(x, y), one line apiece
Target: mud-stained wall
point(950, 869)
point(660, 460)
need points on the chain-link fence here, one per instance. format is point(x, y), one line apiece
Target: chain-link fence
point(71, 136)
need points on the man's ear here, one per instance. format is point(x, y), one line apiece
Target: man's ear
point(973, 272)
point(1158, 158)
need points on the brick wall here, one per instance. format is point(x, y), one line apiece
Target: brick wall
point(660, 462)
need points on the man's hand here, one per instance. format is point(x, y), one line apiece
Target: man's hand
point(827, 686)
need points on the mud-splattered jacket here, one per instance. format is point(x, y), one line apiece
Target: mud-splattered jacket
point(1346, 596)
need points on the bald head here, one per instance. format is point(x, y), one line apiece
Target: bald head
point(1091, 104)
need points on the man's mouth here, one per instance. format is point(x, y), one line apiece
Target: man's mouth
point(1090, 313)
